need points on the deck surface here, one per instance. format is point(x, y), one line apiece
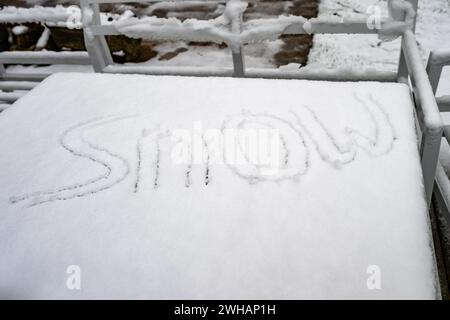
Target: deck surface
point(94, 173)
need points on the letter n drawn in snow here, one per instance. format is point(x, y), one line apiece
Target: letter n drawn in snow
point(374, 279)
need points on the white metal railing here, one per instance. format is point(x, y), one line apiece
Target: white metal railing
point(46, 16)
point(101, 58)
point(44, 57)
point(410, 66)
point(430, 119)
point(437, 60)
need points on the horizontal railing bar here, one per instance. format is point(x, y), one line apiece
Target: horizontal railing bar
point(169, 70)
point(329, 75)
point(103, 30)
point(10, 96)
point(44, 57)
point(38, 15)
point(322, 74)
point(150, 1)
point(440, 57)
point(24, 76)
point(323, 27)
point(297, 28)
point(17, 85)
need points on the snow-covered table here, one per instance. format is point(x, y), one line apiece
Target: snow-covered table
point(103, 172)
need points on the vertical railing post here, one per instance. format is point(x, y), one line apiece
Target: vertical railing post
point(434, 72)
point(415, 4)
point(429, 152)
point(238, 64)
point(2, 70)
point(238, 57)
point(4, 45)
point(96, 45)
point(402, 73)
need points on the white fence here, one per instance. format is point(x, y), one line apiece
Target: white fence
point(240, 33)
point(436, 61)
point(100, 56)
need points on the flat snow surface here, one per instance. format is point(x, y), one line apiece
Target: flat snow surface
point(88, 179)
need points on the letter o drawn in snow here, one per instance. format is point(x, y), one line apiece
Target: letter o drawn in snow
point(264, 147)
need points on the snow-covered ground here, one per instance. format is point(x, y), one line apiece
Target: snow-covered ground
point(364, 51)
point(147, 193)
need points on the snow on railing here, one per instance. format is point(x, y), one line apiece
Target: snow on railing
point(225, 28)
point(230, 29)
point(182, 5)
point(69, 17)
point(37, 14)
point(44, 57)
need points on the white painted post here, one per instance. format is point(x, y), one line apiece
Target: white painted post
point(2, 72)
point(434, 72)
point(402, 74)
point(96, 45)
point(415, 4)
point(429, 152)
point(238, 57)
